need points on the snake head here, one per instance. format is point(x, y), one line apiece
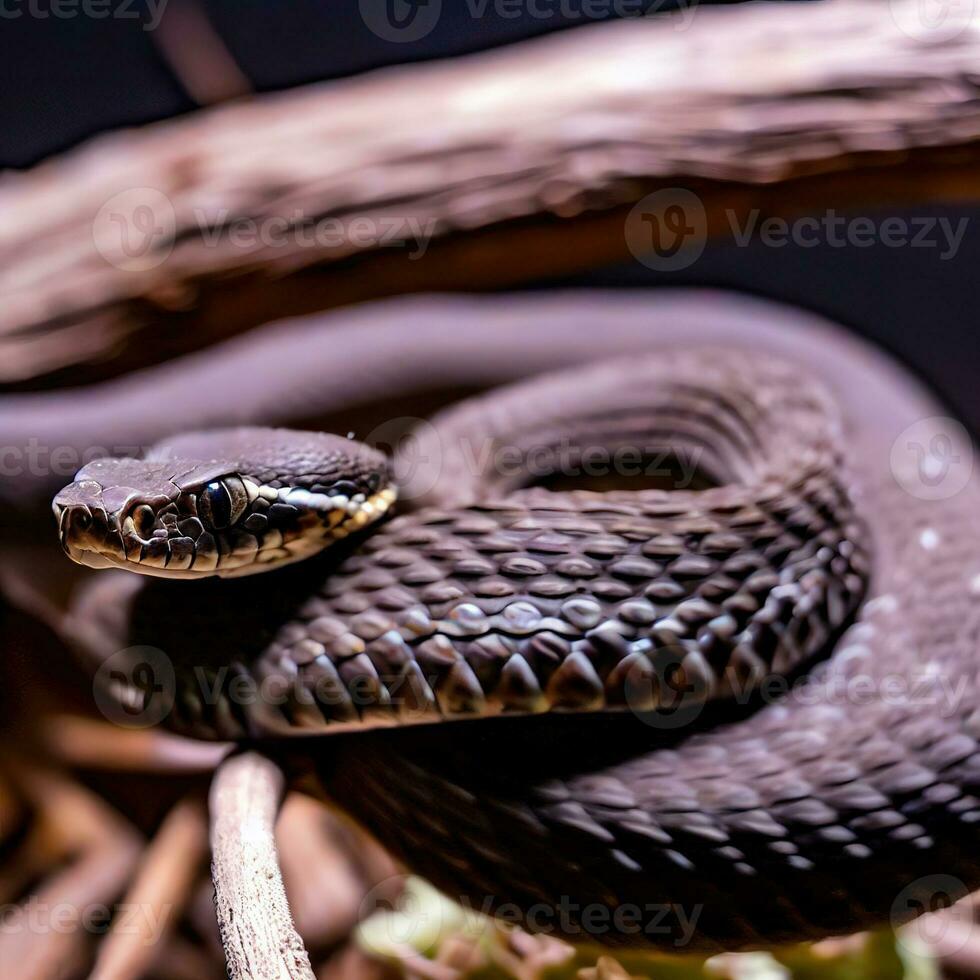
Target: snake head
point(227, 502)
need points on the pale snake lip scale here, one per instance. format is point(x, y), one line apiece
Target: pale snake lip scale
point(489, 667)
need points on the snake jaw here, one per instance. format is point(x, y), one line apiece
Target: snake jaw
point(175, 536)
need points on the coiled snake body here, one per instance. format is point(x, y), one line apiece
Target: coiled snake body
point(635, 712)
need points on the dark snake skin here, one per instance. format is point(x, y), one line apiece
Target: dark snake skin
point(791, 811)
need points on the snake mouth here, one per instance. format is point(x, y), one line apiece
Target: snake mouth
point(170, 548)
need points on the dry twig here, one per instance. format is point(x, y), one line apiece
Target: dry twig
point(157, 897)
point(257, 930)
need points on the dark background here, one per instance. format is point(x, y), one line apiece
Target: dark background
point(64, 79)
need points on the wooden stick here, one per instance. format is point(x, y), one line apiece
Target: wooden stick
point(49, 934)
point(157, 897)
point(197, 55)
point(480, 171)
point(69, 815)
point(257, 931)
point(93, 744)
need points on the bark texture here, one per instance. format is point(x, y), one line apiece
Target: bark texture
point(475, 172)
point(257, 929)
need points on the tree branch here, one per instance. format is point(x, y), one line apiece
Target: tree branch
point(491, 169)
point(257, 930)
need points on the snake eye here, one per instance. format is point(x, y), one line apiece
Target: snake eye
point(214, 505)
point(222, 502)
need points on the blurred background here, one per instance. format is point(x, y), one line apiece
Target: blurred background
point(134, 800)
point(63, 79)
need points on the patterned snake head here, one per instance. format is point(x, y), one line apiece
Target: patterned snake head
point(270, 497)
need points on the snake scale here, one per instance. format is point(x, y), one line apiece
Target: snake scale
point(818, 613)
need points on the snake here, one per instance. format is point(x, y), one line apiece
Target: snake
point(674, 622)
